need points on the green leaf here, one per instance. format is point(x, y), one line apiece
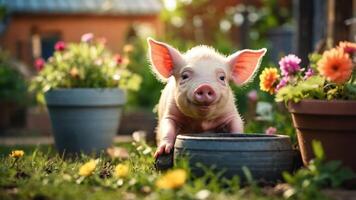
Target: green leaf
point(312, 88)
point(318, 149)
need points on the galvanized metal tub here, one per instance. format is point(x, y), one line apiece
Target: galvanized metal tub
point(266, 156)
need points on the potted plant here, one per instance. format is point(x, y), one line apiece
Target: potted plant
point(321, 99)
point(12, 91)
point(83, 85)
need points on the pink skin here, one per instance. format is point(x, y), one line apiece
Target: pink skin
point(197, 97)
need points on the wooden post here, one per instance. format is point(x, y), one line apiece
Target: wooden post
point(319, 24)
point(303, 14)
point(343, 11)
point(330, 24)
point(244, 30)
point(337, 13)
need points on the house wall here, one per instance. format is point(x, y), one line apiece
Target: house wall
point(18, 35)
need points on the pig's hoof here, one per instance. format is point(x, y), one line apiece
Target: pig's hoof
point(164, 161)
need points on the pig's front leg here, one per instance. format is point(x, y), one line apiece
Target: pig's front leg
point(236, 125)
point(167, 131)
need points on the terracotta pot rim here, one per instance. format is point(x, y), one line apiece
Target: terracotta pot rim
point(323, 107)
point(325, 100)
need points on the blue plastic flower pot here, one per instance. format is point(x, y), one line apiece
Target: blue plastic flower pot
point(84, 120)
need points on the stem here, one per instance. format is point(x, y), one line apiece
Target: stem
point(329, 84)
point(14, 162)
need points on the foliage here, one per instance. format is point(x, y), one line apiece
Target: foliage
point(331, 76)
point(274, 14)
point(281, 120)
point(87, 64)
point(307, 182)
point(3, 12)
point(311, 88)
point(150, 90)
point(12, 83)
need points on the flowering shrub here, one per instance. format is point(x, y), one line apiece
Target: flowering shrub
point(87, 64)
point(331, 75)
point(12, 83)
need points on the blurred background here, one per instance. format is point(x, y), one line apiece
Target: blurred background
point(29, 30)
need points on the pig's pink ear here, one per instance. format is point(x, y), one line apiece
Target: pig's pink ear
point(164, 58)
point(244, 64)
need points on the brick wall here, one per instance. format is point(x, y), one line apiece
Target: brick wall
point(18, 34)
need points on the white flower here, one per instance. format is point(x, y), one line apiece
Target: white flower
point(116, 77)
point(202, 194)
point(139, 136)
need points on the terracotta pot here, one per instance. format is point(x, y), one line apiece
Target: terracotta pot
point(333, 123)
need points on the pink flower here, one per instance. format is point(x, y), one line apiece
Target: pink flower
point(308, 73)
point(39, 64)
point(118, 59)
point(271, 130)
point(284, 81)
point(348, 47)
point(289, 65)
point(252, 95)
point(87, 37)
point(60, 46)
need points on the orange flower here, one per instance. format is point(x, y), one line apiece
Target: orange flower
point(335, 65)
point(268, 79)
point(347, 47)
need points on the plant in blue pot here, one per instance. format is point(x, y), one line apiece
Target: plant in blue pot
point(84, 87)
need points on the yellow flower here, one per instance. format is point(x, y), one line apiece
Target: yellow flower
point(88, 168)
point(17, 153)
point(121, 170)
point(172, 179)
point(268, 79)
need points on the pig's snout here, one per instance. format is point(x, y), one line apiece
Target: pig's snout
point(204, 95)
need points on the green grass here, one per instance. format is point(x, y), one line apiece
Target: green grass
point(43, 174)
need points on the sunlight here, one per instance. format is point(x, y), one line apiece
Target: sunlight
point(170, 4)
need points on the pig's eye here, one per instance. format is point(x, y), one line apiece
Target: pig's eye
point(222, 78)
point(185, 76)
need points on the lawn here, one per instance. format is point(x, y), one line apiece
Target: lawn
point(42, 174)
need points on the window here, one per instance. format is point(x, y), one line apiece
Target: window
point(47, 44)
point(43, 44)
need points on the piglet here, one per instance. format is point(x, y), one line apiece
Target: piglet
point(197, 97)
